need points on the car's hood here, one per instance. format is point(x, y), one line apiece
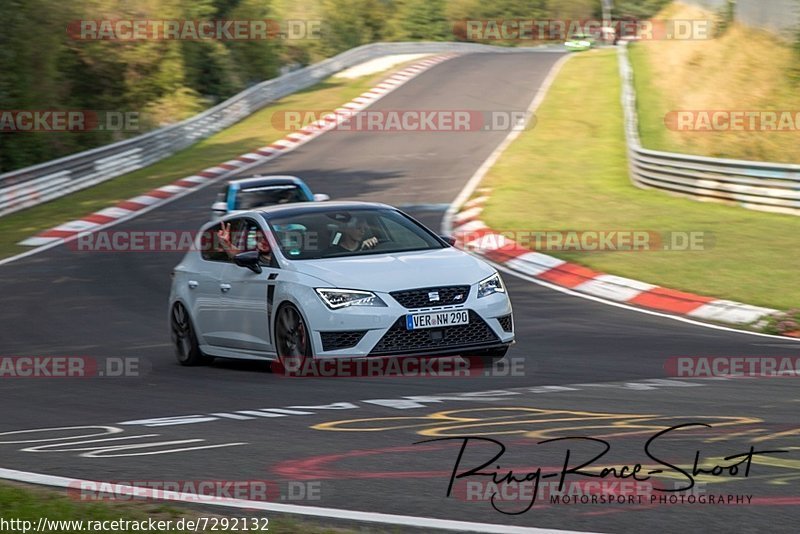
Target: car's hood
point(405, 270)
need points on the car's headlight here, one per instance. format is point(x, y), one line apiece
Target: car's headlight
point(490, 286)
point(342, 298)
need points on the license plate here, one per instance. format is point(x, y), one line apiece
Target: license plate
point(416, 321)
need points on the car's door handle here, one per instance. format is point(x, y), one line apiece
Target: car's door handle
point(224, 287)
point(192, 284)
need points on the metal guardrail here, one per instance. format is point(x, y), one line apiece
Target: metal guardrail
point(40, 183)
point(773, 187)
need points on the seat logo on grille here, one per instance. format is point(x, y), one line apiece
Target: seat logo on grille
point(433, 296)
point(458, 297)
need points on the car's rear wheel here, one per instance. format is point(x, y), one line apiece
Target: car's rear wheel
point(187, 350)
point(292, 338)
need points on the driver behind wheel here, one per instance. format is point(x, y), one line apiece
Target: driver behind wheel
point(352, 237)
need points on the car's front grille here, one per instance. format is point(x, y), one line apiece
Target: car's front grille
point(398, 340)
point(427, 297)
point(506, 323)
point(341, 340)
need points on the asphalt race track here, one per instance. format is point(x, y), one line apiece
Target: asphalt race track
point(583, 368)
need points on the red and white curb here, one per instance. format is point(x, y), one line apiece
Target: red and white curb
point(475, 236)
point(146, 201)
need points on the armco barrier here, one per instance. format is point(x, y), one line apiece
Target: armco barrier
point(773, 187)
point(40, 183)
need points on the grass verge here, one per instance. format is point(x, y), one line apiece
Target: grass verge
point(570, 173)
point(744, 69)
point(251, 133)
point(30, 503)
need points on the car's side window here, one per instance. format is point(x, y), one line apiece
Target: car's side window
point(210, 247)
point(222, 196)
point(250, 233)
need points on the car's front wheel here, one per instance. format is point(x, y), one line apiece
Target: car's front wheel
point(293, 339)
point(187, 350)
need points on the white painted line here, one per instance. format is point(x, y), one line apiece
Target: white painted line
point(471, 226)
point(77, 225)
point(38, 241)
point(196, 179)
point(283, 143)
point(614, 287)
point(215, 170)
point(730, 312)
point(171, 188)
point(470, 213)
point(114, 212)
point(313, 511)
point(534, 263)
point(234, 163)
point(145, 200)
point(476, 178)
point(251, 155)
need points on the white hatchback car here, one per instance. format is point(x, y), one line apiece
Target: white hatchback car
point(334, 280)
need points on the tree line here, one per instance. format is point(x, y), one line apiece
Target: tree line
point(43, 66)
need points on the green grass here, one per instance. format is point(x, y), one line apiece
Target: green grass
point(743, 69)
point(29, 503)
point(251, 133)
point(570, 172)
point(651, 105)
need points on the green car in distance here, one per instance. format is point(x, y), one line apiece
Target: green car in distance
point(579, 42)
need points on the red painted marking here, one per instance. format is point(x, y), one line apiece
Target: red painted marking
point(57, 233)
point(670, 300)
point(159, 194)
point(246, 159)
point(569, 275)
point(128, 205)
point(186, 183)
point(265, 152)
point(99, 219)
point(207, 174)
point(228, 166)
point(507, 252)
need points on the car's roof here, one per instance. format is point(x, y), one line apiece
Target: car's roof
point(300, 208)
point(254, 181)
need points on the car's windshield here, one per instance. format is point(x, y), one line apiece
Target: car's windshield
point(338, 233)
point(268, 195)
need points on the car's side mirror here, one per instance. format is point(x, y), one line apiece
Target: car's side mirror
point(321, 197)
point(249, 260)
point(219, 208)
point(450, 240)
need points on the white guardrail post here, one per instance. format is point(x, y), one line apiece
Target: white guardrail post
point(756, 185)
point(46, 181)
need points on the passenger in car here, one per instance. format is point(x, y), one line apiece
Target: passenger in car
point(262, 245)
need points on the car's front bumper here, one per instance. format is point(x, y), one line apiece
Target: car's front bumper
point(380, 331)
